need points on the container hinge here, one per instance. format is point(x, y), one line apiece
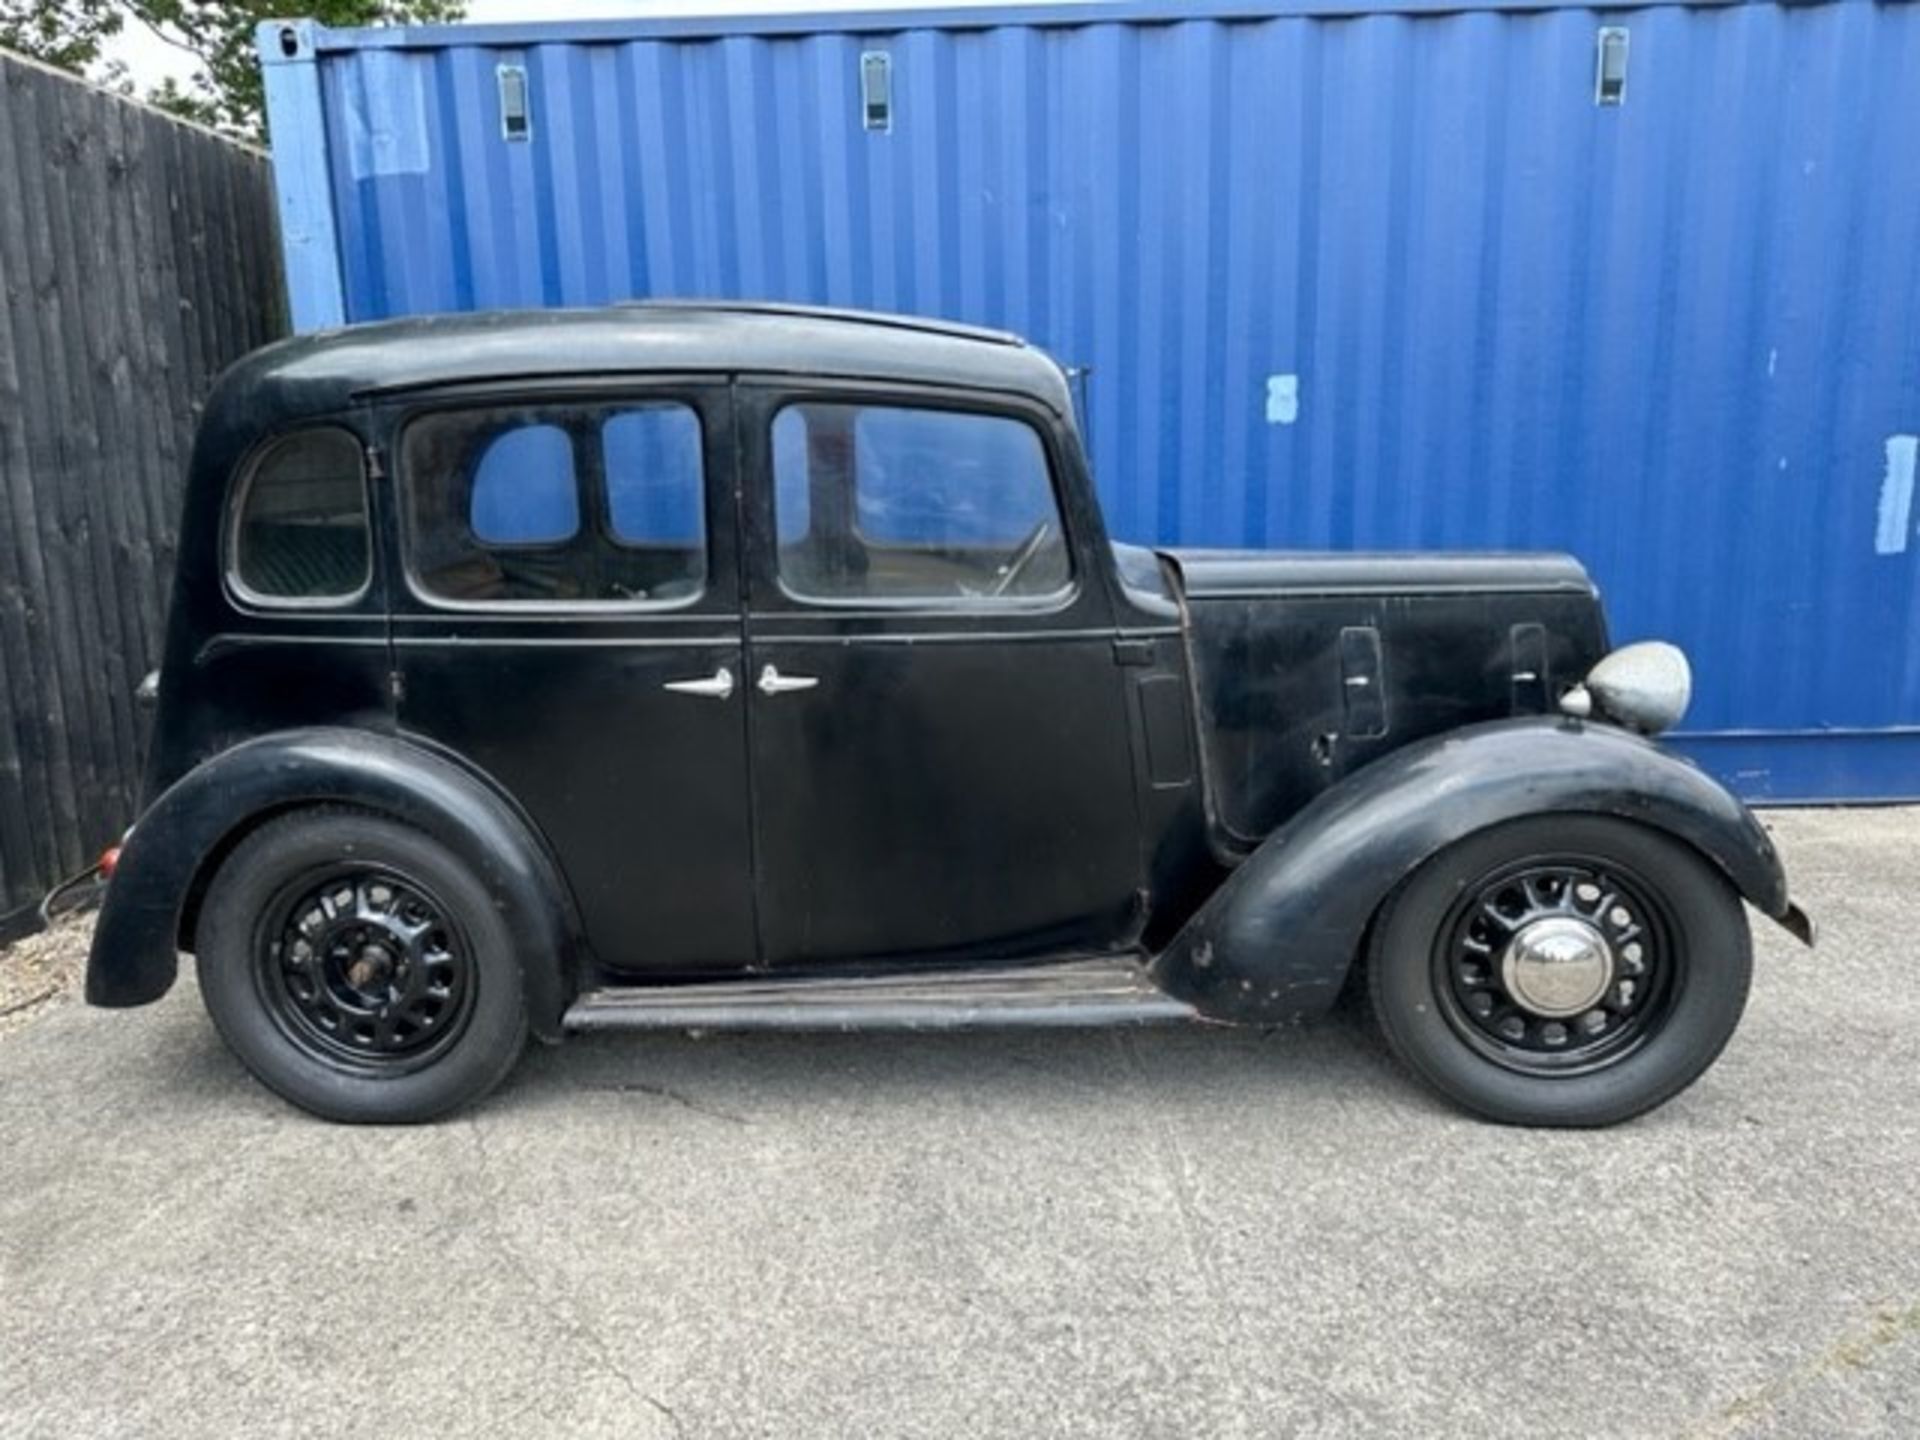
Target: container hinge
point(516, 111)
point(876, 90)
point(1610, 65)
point(376, 463)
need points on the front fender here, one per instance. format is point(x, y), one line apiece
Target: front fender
point(1275, 942)
point(134, 959)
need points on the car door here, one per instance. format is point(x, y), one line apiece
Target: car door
point(940, 753)
point(570, 624)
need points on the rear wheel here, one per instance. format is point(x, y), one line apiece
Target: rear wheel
point(358, 968)
point(1561, 970)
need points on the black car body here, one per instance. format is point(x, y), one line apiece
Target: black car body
point(763, 666)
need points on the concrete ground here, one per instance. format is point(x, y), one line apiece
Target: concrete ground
point(1177, 1233)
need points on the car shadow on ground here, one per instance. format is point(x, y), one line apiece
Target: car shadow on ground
point(734, 1075)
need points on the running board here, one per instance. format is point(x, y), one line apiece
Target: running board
point(1106, 990)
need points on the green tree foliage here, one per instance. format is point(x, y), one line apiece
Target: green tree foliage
point(225, 90)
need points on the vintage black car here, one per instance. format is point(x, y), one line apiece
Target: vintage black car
point(675, 666)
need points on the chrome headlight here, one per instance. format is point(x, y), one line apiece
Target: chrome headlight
point(1644, 687)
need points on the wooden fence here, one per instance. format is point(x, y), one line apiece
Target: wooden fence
point(138, 256)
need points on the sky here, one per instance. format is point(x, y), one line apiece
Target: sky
point(151, 59)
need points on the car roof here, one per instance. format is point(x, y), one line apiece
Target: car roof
point(326, 370)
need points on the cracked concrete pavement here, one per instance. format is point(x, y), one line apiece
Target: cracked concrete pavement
point(1178, 1233)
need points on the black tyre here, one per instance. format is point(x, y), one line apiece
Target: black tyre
point(359, 969)
point(1561, 970)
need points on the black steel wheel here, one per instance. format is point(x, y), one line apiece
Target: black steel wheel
point(1557, 965)
point(366, 967)
point(358, 968)
point(1564, 970)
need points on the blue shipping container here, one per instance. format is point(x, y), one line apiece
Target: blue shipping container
point(1640, 283)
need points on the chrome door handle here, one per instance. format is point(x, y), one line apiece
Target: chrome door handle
point(772, 682)
point(717, 686)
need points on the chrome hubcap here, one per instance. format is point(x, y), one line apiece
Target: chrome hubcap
point(1557, 967)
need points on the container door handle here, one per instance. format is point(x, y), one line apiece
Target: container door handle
point(717, 686)
point(772, 682)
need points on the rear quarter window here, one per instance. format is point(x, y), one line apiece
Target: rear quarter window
point(300, 531)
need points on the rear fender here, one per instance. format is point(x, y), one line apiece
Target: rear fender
point(179, 841)
point(1275, 942)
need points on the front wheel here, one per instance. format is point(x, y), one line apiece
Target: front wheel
point(1561, 970)
point(359, 969)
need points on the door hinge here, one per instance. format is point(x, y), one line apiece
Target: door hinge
point(1530, 678)
point(1134, 652)
point(1362, 682)
point(396, 686)
point(376, 467)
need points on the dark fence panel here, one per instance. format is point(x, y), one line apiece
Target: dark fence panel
point(137, 258)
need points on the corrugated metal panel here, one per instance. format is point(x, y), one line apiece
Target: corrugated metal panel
point(1387, 278)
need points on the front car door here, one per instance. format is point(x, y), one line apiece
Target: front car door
point(569, 623)
point(940, 751)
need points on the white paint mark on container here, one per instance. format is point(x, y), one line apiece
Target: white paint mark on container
point(1283, 399)
point(387, 114)
point(1896, 495)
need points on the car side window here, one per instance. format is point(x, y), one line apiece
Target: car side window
point(300, 533)
point(567, 503)
point(897, 504)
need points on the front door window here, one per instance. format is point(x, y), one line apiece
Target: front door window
point(898, 505)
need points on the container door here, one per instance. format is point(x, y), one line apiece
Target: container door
point(570, 623)
point(940, 751)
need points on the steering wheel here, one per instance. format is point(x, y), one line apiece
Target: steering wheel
point(1022, 557)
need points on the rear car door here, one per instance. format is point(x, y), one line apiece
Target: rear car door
point(569, 622)
point(940, 751)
